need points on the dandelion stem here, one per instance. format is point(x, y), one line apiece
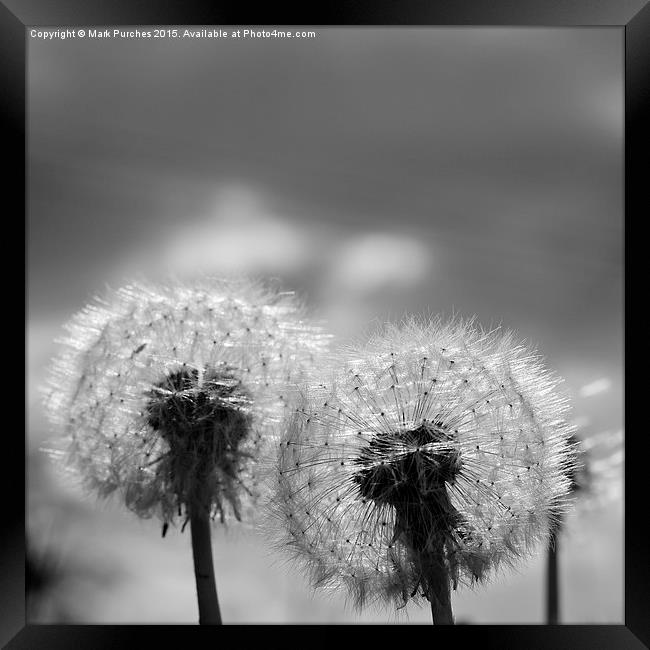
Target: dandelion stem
point(552, 587)
point(442, 614)
point(206, 587)
point(439, 593)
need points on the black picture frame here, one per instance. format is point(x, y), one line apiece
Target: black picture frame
point(632, 16)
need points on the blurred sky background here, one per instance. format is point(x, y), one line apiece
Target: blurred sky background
point(377, 172)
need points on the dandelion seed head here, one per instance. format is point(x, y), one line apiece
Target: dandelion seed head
point(170, 393)
point(596, 480)
point(432, 444)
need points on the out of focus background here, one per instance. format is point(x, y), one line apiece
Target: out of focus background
point(378, 173)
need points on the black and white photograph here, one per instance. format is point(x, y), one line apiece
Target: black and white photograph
point(325, 325)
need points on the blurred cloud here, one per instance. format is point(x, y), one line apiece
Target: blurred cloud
point(595, 387)
point(241, 234)
point(371, 277)
point(581, 421)
point(380, 260)
point(604, 441)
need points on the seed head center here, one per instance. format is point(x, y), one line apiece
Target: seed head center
point(409, 470)
point(405, 466)
point(200, 417)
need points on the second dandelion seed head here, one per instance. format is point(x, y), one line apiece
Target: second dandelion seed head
point(434, 449)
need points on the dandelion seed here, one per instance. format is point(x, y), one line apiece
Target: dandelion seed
point(169, 395)
point(423, 474)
